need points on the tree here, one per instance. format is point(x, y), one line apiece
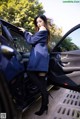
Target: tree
point(55, 34)
point(20, 12)
point(68, 45)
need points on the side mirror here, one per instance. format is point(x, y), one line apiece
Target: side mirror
point(7, 51)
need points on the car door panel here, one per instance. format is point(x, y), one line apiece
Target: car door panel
point(64, 76)
point(71, 59)
point(65, 63)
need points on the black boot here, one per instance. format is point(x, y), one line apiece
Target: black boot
point(44, 105)
point(44, 94)
point(42, 110)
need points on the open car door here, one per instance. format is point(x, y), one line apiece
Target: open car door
point(64, 65)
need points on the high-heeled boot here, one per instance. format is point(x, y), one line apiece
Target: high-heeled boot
point(45, 100)
point(42, 110)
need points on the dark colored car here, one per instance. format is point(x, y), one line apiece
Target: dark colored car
point(17, 88)
point(14, 55)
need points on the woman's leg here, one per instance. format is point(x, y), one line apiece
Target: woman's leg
point(44, 93)
point(41, 82)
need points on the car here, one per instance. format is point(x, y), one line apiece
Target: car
point(64, 66)
point(14, 55)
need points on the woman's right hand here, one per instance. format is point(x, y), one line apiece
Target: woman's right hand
point(21, 29)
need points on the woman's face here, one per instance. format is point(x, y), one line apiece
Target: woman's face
point(40, 22)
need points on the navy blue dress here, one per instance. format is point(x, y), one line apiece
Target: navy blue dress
point(39, 56)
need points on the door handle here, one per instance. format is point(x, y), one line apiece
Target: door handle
point(65, 57)
point(66, 63)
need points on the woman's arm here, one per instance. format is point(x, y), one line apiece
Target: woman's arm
point(39, 36)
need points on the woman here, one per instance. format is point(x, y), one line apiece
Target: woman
point(39, 58)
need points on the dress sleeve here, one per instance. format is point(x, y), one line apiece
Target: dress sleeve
point(39, 36)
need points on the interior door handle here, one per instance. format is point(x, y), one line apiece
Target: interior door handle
point(65, 57)
point(66, 63)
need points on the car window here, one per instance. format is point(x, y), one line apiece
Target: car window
point(0, 30)
point(3, 40)
point(19, 42)
point(0, 33)
point(71, 42)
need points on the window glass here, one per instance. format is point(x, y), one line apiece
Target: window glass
point(0, 33)
point(0, 30)
point(71, 42)
point(19, 42)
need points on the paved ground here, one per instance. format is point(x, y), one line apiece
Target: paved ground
point(57, 96)
point(64, 105)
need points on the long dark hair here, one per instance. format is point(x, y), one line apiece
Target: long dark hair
point(43, 17)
